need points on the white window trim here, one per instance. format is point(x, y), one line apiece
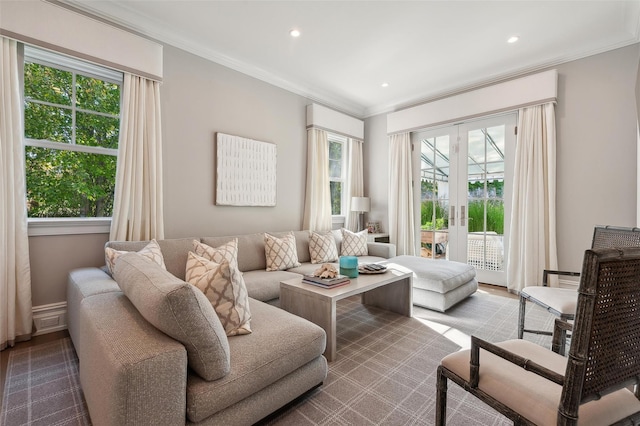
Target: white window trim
point(68, 226)
point(81, 225)
point(332, 137)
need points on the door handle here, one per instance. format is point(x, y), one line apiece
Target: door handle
point(452, 217)
point(462, 218)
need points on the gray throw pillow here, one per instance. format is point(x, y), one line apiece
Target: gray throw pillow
point(179, 310)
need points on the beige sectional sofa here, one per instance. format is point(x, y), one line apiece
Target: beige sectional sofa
point(134, 374)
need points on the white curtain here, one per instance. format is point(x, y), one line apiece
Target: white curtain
point(401, 218)
point(138, 211)
point(15, 273)
point(532, 244)
point(355, 182)
point(317, 203)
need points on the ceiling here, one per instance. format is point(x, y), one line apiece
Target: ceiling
point(347, 49)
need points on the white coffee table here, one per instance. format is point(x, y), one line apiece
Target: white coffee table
point(391, 291)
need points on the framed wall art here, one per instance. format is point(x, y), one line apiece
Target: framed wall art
point(245, 171)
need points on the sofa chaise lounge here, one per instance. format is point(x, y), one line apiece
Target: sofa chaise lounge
point(134, 374)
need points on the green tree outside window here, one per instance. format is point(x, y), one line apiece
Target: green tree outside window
point(73, 110)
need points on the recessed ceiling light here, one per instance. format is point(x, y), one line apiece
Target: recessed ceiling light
point(385, 84)
point(513, 39)
point(294, 33)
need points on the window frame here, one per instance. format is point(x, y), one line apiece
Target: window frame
point(342, 140)
point(38, 226)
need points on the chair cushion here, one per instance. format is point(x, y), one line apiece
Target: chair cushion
point(178, 309)
point(561, 300)
point(279, 344)
point(532, 396)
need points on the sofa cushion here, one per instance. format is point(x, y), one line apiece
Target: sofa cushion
point(322, 247)
point(265, 286)
point(250, 250)
point(280, 253)
point(151, 251)
point(354, 243)
point(178, 309)
point(224, 287)
point(280, 344)
point(227, 251)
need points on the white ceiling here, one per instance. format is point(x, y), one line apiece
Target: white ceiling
point(422, 49)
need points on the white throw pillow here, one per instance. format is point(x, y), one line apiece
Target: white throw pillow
point(280, 253)
point(227, 251)
point(322, 247)
point(225, 289)
point(354, 243)
point(150, 251)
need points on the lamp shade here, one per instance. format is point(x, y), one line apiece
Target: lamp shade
point(360, 204)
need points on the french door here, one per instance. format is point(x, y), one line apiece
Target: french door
point(464, 196)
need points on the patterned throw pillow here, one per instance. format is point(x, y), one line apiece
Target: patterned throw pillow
point(227, 251)
point(354, 243)
point(281, 253)
point(224, 287)
point(150, 251)
point(322, 247)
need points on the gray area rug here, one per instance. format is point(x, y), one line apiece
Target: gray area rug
point(384, 373)
point(42, 387)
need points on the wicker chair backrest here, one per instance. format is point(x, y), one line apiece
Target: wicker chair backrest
point(615, 236)
point(605, 346)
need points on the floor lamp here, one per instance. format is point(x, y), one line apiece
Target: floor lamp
point(361, 205)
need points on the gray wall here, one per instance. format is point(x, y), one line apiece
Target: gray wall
point(596, 150)
point(200, 98)
point(596, 122)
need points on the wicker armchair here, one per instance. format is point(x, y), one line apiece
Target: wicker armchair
point(562, 301)
point(533, 385)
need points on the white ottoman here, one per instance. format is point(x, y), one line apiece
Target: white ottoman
point(437, 284)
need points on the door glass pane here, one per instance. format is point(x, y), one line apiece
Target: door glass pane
point(485, 239)
point(434, 197)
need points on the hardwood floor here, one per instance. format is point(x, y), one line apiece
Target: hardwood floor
point(497, 290)
point(4, 355)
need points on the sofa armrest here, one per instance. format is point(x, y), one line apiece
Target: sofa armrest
point(130, 372)
point(385, 250)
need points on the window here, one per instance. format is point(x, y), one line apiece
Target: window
point(71, 130)
point(337, 174)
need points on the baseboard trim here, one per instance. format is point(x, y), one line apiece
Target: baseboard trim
point(49, 318)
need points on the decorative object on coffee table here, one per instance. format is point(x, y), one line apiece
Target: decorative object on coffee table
point(349, 266)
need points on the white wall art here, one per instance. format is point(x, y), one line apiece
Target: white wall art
point(246, 171)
